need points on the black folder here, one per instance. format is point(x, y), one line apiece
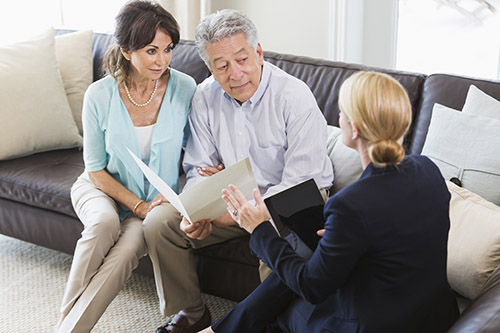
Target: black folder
point(298, 208)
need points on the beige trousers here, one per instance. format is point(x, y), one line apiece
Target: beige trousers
point(173, 260)
point(104, 258)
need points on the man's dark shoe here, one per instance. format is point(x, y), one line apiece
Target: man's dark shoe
point(180, 324)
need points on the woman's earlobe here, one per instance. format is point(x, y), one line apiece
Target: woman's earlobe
point(354, 130)
point(125, 54)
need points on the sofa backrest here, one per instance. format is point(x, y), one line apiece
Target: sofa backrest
point(323, 77)
point(185, 57)
point(448, 90)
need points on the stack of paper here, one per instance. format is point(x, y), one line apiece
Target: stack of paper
point(204, 200)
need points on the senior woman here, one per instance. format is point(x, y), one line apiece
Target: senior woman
point(381, 263)
point(141, 105)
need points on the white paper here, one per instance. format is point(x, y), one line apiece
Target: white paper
point(161, 186)
point(204, 200)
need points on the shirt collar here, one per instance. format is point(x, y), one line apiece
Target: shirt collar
point(264, 82)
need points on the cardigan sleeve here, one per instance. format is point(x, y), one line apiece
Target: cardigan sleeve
point(94, 151)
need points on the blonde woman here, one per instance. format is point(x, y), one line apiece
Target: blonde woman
point(381, 263)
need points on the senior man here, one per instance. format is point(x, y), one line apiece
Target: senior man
point(247, 108)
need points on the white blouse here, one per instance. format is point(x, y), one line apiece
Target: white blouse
point(144, 136)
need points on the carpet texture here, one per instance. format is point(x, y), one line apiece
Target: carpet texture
point(32, 282)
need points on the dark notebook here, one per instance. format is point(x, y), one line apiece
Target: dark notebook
point(298, 208)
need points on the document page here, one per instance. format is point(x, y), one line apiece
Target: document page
point(204, 200)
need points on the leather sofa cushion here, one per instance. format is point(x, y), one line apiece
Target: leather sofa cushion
point(483, 314)
point(235, 250)
point(42, 180)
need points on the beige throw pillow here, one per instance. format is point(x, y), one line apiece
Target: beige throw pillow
point(481, 104)
point(74, 55)
point(474, 241)
point(35, 114)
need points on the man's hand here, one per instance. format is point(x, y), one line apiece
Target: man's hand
point(210, 171)
point(320, 232)
point(197, 230)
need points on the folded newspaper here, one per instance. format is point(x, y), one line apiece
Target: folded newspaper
point(204, 199)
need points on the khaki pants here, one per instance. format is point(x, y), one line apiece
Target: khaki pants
point(173, 260)
point(104, 258)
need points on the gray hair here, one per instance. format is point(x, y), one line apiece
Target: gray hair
point(221, 25)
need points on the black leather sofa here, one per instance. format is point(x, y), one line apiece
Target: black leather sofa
point(35, 201)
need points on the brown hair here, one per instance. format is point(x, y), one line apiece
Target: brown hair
point(136, 26)
point(380, 107)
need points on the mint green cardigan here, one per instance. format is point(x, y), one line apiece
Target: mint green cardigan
point(108, 131)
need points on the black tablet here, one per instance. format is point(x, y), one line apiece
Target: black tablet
point(298, 208)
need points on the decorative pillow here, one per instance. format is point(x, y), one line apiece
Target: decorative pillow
point(474, 241)
point(35, 114)
point(481, 104)
point(346, 162)
point(74, 55)
point(466, 147)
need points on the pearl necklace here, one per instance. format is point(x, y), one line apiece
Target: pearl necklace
point(134, 102)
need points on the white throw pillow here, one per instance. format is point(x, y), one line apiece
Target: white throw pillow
point(481, 104)
point(474, 241)
point(35, 114)
point(346, 162)
point(466, 147)
point(74, 55)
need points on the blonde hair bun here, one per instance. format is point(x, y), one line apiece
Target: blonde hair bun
point(386, 152)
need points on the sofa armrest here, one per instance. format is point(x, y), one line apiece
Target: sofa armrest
point(483, 314)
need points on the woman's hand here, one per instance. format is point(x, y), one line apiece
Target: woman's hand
point(145, 207)
point(242, 211)
point(210, 171)
point(197, 230)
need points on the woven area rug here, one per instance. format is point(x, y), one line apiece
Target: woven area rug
point(32, 281)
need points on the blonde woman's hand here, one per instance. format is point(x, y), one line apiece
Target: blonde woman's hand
point(242, 211)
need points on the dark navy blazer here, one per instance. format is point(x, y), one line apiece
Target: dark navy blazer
point(380, 266)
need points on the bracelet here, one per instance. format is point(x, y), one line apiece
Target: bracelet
point(137, 205)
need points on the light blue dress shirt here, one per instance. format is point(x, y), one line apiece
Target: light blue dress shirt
point(280, 129)
point(108, 131)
